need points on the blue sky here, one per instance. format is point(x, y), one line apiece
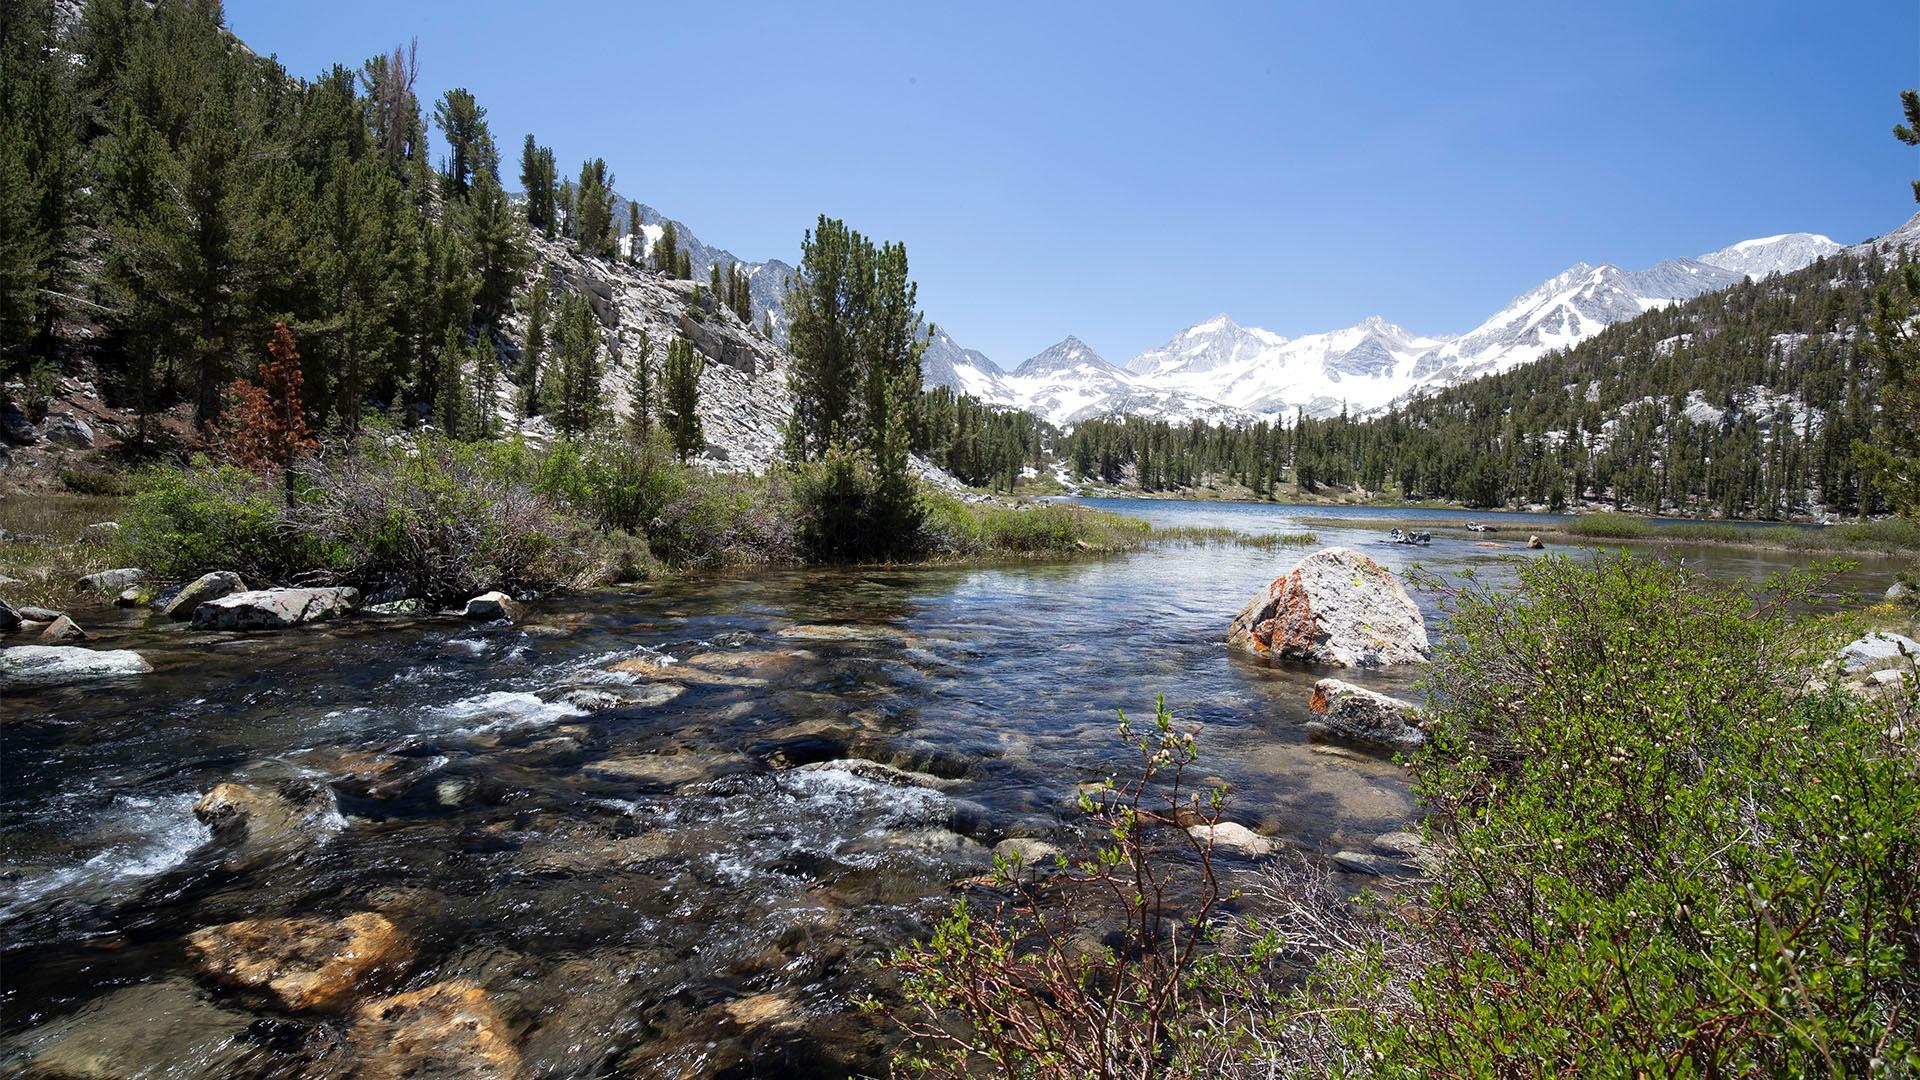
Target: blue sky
point(1120, 171)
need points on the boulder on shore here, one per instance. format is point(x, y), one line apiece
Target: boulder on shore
point(111, 582)
point(200, 590)
point(57, 665)
point(1336, 607)
point(491, 606)
point(1367, 716)
point(9, 618)
point(302, 964)
point(1878, 650)
point(274, 609)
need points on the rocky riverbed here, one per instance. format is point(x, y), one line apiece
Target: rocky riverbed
point(670, 832)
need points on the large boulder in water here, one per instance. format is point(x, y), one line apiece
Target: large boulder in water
point(57, 665)
point(1336, 607)
point(274, 609)
point(302, 964)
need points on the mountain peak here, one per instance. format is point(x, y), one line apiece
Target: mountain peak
point(1067, 353)
point(1768, 255)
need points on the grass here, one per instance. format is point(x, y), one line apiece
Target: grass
point(1892, 535)
point(47, 548)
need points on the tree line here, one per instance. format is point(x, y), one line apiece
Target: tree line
point(1748, 402)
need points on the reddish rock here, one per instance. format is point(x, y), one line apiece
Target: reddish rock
point(1336, 607)
point(302, 964)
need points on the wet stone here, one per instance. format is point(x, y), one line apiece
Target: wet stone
point(448, 1029)
point(302, 964)
point(127, 1033)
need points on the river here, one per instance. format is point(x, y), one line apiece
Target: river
point(619, 879)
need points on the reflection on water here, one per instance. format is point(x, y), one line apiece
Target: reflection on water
point(622, 818)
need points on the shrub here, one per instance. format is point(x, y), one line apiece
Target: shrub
point(443, 521)
point(1096, 968)
point(1665, 852)
point(181, 523)
point(849, 512)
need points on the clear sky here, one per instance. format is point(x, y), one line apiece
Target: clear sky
point(1120, 171)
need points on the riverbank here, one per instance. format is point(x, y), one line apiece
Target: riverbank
point(436, 522)
point(1889, 536)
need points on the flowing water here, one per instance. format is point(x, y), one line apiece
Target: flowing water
point(642, 884)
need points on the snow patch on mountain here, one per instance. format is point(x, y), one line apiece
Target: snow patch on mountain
point(1770, 255)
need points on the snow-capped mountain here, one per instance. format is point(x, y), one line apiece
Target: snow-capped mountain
point(964, 371)
point(1218, 367)
point(1772, 254)
point(1263, 372)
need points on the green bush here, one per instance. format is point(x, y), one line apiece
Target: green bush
point(849, 512)
point(444, 520)
point(181, 523)
point(1665, 852)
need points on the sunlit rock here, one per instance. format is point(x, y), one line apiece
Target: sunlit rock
point(58, 665)
point(274, 609)
point(302, 964)
point(1336, 607)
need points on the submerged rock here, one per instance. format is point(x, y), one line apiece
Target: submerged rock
point(1028, 852)
point(57, 665)
point(1336, 607)
point(274, 609)
point(491, 606)
point(648, 667)
point(261, 822)
point(200, 590)
point(162, 1029)
point(598, 697)
point(302, 964)
point(449, 1029)
point(110, 582)
point(880, 772)
point(1363, 715)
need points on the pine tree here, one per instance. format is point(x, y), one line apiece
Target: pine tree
point(713, 280)
point(1892, 458)
point(683, 266)
point(39, 159)
point(682, 398)
point(265, 430)
point(821, 302)
point(451, 403)
point(532, 348)
point(636, 235)
point(573, 393)
point(486, 386)
point(593, 201)
point(666, 252)
point(463, 123)
point(493, 236)
point(641, 403)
